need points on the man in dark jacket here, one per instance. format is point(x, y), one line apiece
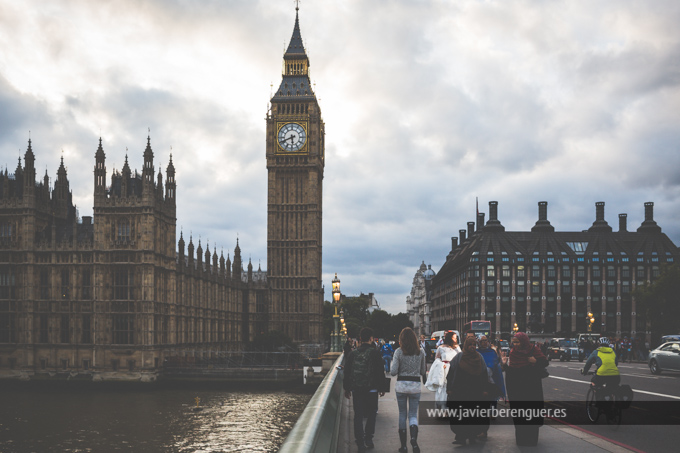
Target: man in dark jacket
point(364, 374)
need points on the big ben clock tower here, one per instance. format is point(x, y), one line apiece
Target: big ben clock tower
point(295, 162)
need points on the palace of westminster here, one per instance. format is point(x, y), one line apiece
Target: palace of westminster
point(114, 295)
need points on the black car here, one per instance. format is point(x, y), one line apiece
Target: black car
point(563, 349)
point(430, 350)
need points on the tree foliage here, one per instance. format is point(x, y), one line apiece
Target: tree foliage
point(660, 302)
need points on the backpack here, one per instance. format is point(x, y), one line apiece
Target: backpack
point(361, 369)
point(624, 396)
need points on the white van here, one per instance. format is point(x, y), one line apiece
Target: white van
point(439, 334)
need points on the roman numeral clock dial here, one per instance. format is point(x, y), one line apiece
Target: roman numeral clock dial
point(292, 137)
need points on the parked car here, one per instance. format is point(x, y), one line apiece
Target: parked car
point(665, 358)
point(563, 349)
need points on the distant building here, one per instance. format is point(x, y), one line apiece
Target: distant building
point(548, 281)
point(418, 303)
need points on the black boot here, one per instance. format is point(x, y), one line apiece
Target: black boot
point(402, 439)
point(414, 438)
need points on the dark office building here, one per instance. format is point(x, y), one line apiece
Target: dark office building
point(547, 281)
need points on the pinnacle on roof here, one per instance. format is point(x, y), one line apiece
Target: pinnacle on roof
point(148, 153)
point(171, 168)
point(295, 48)
point(100, 151)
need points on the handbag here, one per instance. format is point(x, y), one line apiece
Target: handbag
point(384, 386)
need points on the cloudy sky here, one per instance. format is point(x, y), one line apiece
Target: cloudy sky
point(428, 105)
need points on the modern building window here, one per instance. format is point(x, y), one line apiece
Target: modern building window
point(506, 271)
point(640, 272)
point(611, 271)
point(490, 271)
point(551, 272)
point(566, 272)
point(625, 272)
point(596, 272)
point(535, 272)
point(581, 272)
point(521, 273)
point(521, 288)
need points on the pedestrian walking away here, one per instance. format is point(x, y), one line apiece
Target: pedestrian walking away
point(409, 366)
point(364, 375)
point(524, 371)
point(468, 384)
point(387, 353)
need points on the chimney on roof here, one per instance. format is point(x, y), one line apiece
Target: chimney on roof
point(623, 223)
point(461, 233)
point(454, 243)
point(480, 220)
point(494, 224)
point(471, 229)
point(649, 225)
point(600, 225)
point(542, 224)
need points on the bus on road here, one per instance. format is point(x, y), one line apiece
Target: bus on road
point(479, 328)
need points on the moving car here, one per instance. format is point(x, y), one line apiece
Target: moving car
point(563, 349)
point(505, 347)
point(665, 358)
point(430, 350)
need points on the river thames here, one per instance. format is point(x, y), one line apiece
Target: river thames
point(39, 419)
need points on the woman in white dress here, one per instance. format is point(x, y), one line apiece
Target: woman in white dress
point(436, 379)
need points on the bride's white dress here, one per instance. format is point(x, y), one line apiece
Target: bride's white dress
point(436, 378)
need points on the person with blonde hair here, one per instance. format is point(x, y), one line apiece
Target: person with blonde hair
point(409, 365)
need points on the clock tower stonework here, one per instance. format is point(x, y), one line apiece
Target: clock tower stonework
point(295, 163)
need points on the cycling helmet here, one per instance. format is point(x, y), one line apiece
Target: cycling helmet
point(604, 341)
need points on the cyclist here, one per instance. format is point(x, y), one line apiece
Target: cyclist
point(606, 360)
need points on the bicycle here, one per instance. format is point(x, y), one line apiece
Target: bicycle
point(596, 406)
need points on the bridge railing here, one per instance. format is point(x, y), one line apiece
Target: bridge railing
point(317, 428)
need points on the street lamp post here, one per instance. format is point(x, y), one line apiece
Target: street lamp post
point(515, 328)
point(335, 336)
point(591, 320)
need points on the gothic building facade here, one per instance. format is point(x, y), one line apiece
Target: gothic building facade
point(117, 293)
point(419, 301)
point(548, 281)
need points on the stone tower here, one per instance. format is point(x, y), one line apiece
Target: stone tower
point(295, 163)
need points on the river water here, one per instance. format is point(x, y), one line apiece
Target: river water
point(157, 420)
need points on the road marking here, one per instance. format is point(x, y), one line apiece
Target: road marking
point(635, 390)
point(595, 439)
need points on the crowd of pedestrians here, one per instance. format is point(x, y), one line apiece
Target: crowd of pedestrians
point(461, 377)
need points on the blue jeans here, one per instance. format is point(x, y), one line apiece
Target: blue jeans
point(413, 401)
point(388, 362)
point(365, 406)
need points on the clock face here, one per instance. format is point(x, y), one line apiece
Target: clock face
point(292, 137)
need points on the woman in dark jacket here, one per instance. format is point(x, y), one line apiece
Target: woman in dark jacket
point(467, 385)
point(524, 370)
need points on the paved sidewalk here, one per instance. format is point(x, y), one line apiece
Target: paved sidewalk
point(555, 438)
